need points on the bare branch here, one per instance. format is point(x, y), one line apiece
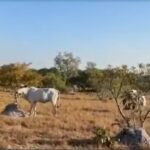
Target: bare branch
point(115, 95)
point(120, 87)
point(121, 112)
point(145, 117)
point(140, 117)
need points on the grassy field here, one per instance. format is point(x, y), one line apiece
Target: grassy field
point(72, 127)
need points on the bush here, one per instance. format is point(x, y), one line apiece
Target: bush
point(53, 81)
point(32, 78)
point(102, 137)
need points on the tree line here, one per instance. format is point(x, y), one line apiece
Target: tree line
point(66, 73)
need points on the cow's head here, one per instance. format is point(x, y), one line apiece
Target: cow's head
point(20, 92)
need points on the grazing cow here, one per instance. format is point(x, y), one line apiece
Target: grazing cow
point(133, 91)
point(133, 100)
point(140, 98)
point(142, 101)
point(34, 95)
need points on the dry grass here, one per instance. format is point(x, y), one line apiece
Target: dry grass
point(71, 128)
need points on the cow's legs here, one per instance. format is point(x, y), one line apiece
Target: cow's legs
point(54, 104)
point(54, 109)
point(34, 110)
point(31, 109)
point(16, 100)
point(58, 101)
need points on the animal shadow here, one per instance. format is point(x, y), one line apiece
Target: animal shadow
point(48, 142)
point(96, 110)
point(81, 142)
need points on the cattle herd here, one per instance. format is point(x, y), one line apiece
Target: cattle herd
point(35, 95)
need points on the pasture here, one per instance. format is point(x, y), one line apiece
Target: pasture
point(73, 126)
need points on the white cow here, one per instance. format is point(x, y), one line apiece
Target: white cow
point(34, 95)
point(133, 100)
point(140, 98)
point(133, 91)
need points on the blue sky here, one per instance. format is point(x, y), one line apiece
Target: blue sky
point(102, 32)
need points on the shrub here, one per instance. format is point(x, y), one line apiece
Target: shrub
point(54, 81)
point(102, 137)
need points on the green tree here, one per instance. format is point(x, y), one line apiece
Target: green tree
point(81, 80)
point(45, 71)
point(67, 65)
point(53, 81)
point(32, 78)
point(148, 68)
point(141, 68)
point(11, 75)
point(90, 65)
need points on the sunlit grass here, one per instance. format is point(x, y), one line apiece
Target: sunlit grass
point(76, 119)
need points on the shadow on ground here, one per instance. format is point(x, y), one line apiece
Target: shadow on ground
point(96, 110)
point(81, 142)
point(48, 142)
